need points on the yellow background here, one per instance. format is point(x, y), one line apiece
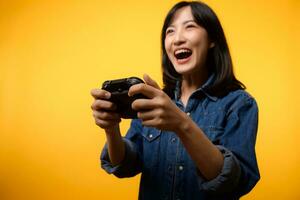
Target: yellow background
point(52, 53)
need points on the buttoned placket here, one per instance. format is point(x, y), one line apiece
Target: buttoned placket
point(179, 167)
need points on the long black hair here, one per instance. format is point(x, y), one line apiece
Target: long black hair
point(218, 61)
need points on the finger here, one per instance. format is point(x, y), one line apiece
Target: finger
point(99, 104)
point(143, 104)
point(150, 122)
point(106, 115)
point(149, 81)
point(100, 94)
point(146, 115)
point(144, 89)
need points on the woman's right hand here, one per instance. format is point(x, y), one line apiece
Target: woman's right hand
point(104, 111)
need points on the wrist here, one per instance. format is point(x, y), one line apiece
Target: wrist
point(184, 126)
point(112, 130)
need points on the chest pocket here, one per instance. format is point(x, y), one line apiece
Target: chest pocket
point(151, 144)
point(150, 134)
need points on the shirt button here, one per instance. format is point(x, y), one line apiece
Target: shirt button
point(173, 140)
point(150, 136)
point(180, 167)
point(188, 113)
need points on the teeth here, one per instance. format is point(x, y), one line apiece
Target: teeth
point(182, 51)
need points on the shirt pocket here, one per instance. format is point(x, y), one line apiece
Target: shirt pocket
point(150, 134)
point(151, 143)
point(213, 133)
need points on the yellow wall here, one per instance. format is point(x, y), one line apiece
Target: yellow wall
point(53, 52)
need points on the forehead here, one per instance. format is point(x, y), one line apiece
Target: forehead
point(181, 15)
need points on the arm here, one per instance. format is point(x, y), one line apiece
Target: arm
point(103, 112)
point(115, 145)
point(131, 163)
point(160, 112)
point(239, 139)
point(207, 157)
point(119, 155)
point(229, 166)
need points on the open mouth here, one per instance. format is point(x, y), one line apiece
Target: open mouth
point(182, 53)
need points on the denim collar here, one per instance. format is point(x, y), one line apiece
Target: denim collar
point(201, 89)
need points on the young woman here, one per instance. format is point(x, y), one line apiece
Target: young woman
point(195, 138)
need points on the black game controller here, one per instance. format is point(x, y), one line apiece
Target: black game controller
point(119, 95)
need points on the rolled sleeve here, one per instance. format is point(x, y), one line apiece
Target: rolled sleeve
point(228, 178)
point(130, 165)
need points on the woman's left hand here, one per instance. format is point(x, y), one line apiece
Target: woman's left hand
point(158, 111)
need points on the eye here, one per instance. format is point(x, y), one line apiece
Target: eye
point(169, 30)
point(190, 26)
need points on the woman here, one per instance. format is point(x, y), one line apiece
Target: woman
point(195, 139)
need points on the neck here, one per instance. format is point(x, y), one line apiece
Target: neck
point(190, 83)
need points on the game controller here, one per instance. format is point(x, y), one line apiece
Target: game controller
point(119, 95)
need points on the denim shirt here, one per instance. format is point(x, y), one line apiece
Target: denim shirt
point(167, 170)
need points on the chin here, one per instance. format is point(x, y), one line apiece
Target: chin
point(184, 69)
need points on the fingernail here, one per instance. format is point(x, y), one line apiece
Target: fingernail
point(107, 95)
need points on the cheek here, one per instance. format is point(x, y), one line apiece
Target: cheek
point(201, 47)
point(168, 46)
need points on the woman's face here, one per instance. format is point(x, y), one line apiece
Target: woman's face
point(187, 43)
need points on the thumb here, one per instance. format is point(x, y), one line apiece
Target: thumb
point(149, 81)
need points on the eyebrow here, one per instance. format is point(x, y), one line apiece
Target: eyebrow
point(185, 22)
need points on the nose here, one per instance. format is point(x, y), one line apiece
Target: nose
point(179, 38)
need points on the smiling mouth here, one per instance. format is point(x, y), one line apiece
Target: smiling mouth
point(182, 54)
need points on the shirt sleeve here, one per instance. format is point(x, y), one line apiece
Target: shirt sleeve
point(131, 164)
point(229, 176)
point(237, 144)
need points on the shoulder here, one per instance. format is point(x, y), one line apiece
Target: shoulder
point(240, 95)
point(237, 99)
